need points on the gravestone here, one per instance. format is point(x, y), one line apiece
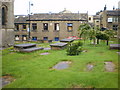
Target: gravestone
point(47, 48)
point(67, 40)
point(6, 80)
point(115, 46)
point(109, 66)
point(58, 46)
point(62, 65)
point(45, 53)
point(28, 47)
point(90, 67)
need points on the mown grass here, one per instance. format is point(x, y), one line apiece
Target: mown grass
point(32, 70)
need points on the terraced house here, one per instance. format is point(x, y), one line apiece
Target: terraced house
point(49, 26)
point(110, 19)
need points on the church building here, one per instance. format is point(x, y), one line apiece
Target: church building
point(6, 23)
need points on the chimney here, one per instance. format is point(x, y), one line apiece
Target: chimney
point(105, 8)
point(113, 8)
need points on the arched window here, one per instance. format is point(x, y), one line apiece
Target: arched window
point(3, 16)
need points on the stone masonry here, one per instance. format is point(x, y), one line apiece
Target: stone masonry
point(7, 29)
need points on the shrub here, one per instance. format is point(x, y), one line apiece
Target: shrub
point(74, 48)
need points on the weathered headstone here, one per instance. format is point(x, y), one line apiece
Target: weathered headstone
point(109, 66)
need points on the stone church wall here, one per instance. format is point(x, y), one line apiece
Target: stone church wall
point(7, 31)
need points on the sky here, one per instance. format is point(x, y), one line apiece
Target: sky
point(21, 7)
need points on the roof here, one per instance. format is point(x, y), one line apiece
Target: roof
point(96, 17)
point(20, 19)
point(64, 16)
point(53, 17)
point(113, 12)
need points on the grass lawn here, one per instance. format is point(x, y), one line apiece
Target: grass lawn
point(32, 70)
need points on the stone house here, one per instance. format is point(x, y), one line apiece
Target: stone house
point(49, 26)
point(109, 19)
point(94, 20)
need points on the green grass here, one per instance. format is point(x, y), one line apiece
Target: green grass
point(32, 70)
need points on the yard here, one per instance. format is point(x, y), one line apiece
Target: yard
point(32, 70)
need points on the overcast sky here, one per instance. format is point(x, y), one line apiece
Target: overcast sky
point(55, 6)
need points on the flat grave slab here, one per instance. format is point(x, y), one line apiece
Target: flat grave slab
point(47, 48)
point(24, 46)
point(58, 46)
point(89, 67)
point(115, 46)
point(62, 65)
point(45, 53)
point(109, 66)
point(67, 40)
point(5, 80)
point(31, 49)
point(118, 53)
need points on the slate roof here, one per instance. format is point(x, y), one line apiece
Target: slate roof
point(113, 12)
point(52, 17)
point(96, 17)
point(20, 19)
point(64, 16)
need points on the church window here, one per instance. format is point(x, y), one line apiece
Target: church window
point(3, 16)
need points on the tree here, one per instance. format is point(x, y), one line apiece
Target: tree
point(82, 28)
point(110, 34)
point(92, 34)
point(103, 36)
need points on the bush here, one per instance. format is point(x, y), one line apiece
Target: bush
point(74, 48)
point(102, 36)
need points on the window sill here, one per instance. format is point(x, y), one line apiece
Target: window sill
point(45, 30)
point(34, 31)
point(16, 30)
point(70, 30)
point(56, 30)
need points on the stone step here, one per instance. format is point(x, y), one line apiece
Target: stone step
point(31, 49)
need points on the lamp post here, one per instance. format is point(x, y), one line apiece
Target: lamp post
point(30, 4)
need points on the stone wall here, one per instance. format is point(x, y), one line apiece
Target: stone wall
point(51, 33)
point(7, 32)
point(0, 26)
